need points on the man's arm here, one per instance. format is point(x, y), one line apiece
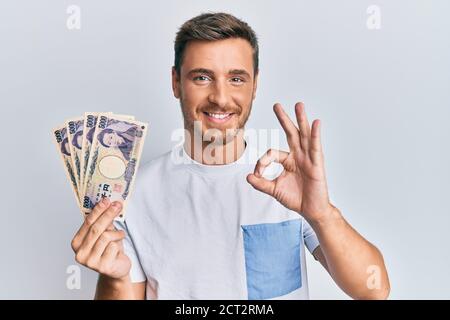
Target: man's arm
point(355, 264)
point(114, 289)
point(302, 187)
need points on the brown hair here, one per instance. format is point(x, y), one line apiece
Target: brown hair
point(212, 27)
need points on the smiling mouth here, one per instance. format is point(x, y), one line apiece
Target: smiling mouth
point(218, 117)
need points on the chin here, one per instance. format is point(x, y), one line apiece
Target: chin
point(226, 134)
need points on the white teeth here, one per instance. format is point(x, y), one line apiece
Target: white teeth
point(219, 115)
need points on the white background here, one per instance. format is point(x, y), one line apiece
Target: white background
point(382, 95)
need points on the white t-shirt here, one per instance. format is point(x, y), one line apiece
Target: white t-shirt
point(199, 231)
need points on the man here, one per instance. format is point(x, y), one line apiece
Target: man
point(210, 226)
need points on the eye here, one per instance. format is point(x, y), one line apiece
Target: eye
point(237, 80)
point(201, 78)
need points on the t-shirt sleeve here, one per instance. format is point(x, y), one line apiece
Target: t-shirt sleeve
point(309, 236)
point(136, 273)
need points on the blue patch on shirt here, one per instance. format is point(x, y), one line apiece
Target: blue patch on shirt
point(272, 258)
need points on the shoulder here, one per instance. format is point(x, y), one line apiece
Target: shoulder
point(148, 179)
point(154, 165)
point(149, 173)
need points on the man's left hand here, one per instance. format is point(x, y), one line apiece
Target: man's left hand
point(302, 185)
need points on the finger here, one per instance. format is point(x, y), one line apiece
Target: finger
point(89, 220)
point(109, 255)
point(101, 244)
point(289, 127)
point(303, 124)
point(96, 230)
point(261, 184)
point(270, 156)
point(316, 144)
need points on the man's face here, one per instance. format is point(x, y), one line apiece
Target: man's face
point(216, 85)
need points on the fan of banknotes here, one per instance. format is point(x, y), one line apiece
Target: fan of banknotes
point(101, 153)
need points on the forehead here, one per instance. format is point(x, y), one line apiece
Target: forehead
point(219, 56)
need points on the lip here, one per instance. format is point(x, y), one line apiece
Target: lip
point(218, 120)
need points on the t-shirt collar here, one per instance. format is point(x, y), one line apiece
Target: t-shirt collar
point(183, 158)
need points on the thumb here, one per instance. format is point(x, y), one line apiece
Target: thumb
point(261, 184)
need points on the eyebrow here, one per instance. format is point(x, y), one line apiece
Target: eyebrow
point(211, 73)
point(239, 72)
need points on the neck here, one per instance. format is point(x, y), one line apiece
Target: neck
point(210, 153)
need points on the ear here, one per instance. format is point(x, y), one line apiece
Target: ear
point(255, 85)
point(175, 83)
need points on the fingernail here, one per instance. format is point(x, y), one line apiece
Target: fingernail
point(105, 200)
point(116, 205)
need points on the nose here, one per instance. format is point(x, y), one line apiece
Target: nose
point(219, 94)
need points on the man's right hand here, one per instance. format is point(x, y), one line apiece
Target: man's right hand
point(98, 245)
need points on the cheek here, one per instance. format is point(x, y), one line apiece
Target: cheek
point(193, 97)
point(243, 98)
point(194, 93)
